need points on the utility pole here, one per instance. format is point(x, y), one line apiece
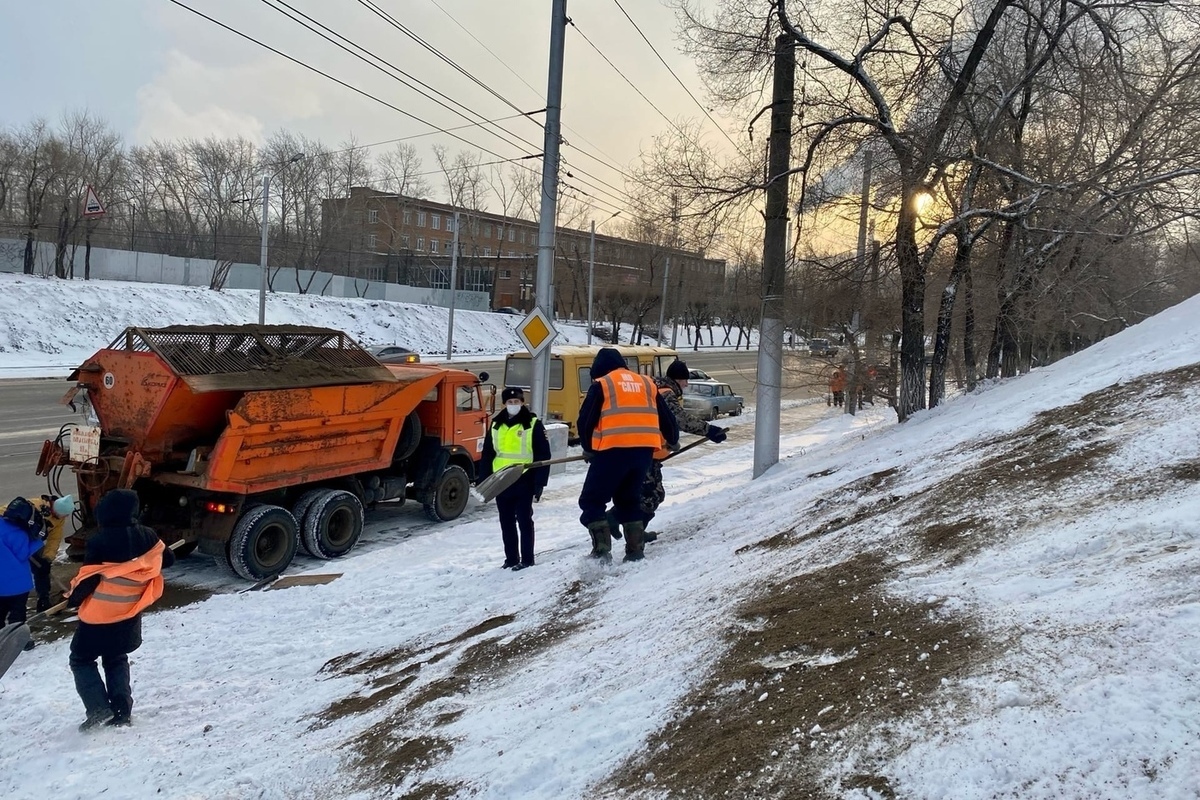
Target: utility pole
point(453, 289)
point(864, 204)
point(549, 206)
point(770, 341)
point(662, 306)
point(675, 243)
point(591, 277)
point(262, 286)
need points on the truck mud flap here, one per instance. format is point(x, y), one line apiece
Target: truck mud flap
point(433, 459)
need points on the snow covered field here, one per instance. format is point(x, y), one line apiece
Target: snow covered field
point(998, 599)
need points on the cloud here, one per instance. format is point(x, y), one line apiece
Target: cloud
point(190, 99)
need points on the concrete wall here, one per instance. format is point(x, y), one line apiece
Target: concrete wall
point(125, 265)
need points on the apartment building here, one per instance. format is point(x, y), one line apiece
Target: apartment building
point(398, 239)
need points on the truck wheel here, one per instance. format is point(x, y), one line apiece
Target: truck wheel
point(300, 512)
point(333, 524)
point(263, 542)
point(449, 495)
point(410, 437)
point(715, 412)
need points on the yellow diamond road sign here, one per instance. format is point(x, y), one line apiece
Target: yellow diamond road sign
point(536, 331)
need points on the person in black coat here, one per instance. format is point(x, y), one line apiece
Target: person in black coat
point(516, 432)
point(119, 538)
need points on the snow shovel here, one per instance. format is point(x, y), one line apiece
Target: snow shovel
point(498, 481)
point(13, 638)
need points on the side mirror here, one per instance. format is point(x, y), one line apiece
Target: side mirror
point(483, 376)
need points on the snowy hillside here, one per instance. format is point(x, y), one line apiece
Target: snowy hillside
point(998, 599)
point(49, 322)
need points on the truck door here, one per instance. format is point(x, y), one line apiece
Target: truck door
point(470, 419)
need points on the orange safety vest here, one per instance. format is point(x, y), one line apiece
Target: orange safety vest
point(125, 587)
point(662, 452)
point(629, 415)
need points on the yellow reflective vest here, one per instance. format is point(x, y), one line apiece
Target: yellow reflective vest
point(513, 444)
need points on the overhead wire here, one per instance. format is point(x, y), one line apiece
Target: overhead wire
point(682, 85)
point(384, 65)
point(610, 163)
point(327, 76)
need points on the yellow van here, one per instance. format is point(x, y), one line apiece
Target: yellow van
point(570, 375)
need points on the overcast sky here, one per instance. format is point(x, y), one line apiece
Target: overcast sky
point(156, 71)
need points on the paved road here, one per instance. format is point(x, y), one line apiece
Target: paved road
point(30, 411)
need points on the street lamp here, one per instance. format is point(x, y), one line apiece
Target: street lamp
point(266, 190)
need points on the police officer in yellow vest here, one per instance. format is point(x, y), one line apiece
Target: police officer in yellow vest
point(622, 421)
point(120, 577)
point(516, 436)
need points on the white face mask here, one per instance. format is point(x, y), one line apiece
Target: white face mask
point(513, 408)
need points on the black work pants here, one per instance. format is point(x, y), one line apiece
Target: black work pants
point(615, 475)
point(41, 580)
point(12, 609)
point(515, 507)
point(112, 693)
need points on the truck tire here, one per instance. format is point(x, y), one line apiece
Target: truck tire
point(300, 512)
point(333, 524)
point(410, 438)
point(449, 497)
point(263, 542)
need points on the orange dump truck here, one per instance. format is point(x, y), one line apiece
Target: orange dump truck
point(249, 441)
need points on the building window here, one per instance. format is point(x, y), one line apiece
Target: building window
point(407, 216)
point(512, 235)
point(439, 279)
point(420, 219)
point(505, 274)
point(372, 216)
point(487, 230)
point(433, 245)
point(371, 241)
point(420, 243)
point(404, 242)
point(487, 251)
point(450, 224)
point(436, 222)
point(499, 233)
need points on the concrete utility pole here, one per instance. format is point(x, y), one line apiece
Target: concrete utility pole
point(852, 379)
point(591, 277)
point(453, 289)
point(549, 208)
point(662, 306)
point(770, 341)
point(262, 259)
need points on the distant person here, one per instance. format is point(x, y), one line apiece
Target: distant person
point(837, 387)
point(516, 436)
point(121, 576)
point(622, 421)
point(55, 511)
point(22, 534)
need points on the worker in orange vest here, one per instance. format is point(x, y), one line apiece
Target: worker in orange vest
point(837, 387)
point(121, 576)
point(622, 421)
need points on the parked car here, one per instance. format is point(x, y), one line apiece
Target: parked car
point(516, 312)
point(698, 375)
point(394, 354)
point(711, 399)
point(821, 348)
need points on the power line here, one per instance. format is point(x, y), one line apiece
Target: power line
point(420, 135)
point(384, 63)
point(676, 77)
point(610, 163)
point(327, 76)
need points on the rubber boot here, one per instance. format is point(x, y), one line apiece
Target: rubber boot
point(633, 540)
point(601, 540)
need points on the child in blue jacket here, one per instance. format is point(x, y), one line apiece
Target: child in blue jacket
point(22, 533)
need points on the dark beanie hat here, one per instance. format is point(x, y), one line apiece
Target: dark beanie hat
point(677, 371)
point(513, 393)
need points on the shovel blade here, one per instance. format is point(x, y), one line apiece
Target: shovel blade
point(488, 488)
point(13, 639)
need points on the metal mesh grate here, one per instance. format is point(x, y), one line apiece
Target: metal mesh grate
point(256, 356)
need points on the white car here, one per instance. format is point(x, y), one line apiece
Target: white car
point(711, 399)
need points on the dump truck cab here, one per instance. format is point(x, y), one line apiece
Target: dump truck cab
point(245, 441)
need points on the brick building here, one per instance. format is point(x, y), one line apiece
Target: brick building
point(398, 239)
